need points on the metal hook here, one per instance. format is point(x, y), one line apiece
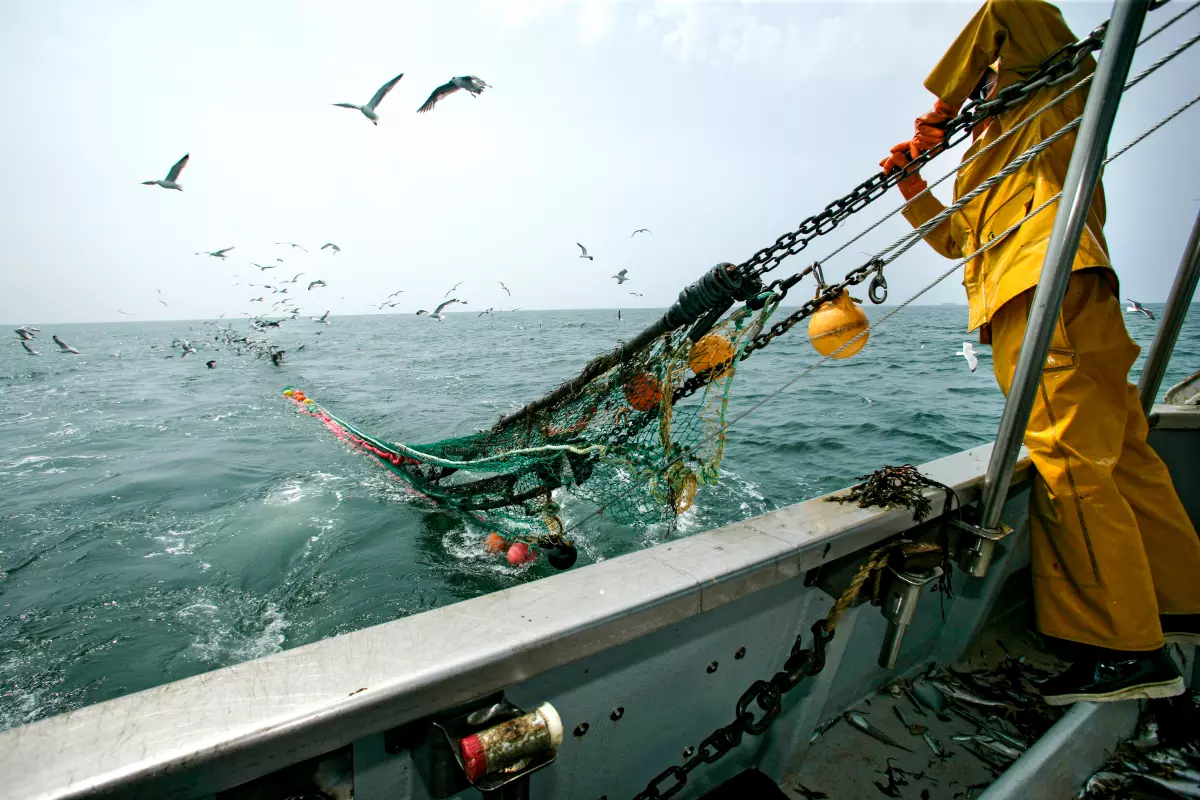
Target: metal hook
point(816, 269)
point(878, 290)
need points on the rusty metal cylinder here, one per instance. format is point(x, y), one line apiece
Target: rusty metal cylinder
point(504, 745)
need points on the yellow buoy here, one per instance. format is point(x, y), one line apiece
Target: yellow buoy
point(308, 401)
point(709, 352)
point(837, 322)
point(288, 393)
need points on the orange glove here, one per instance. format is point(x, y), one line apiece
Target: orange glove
point(929, 126)
point(901, 156)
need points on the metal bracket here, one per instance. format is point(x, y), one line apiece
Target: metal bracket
point(900, 607)
point(439, 758)
point(975, 545)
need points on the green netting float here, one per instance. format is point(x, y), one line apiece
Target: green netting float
point(616, 435)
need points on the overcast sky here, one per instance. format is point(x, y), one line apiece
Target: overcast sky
point(717, 125)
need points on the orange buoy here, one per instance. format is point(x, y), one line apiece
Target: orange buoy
point(643, 391)
point(520, 553)
point(495, 543)
point(711, 351)
point(837, 322)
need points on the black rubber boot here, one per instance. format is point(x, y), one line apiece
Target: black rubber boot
point(1107, 676)
point(1180, 628)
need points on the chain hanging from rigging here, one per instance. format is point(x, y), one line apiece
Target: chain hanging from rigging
point(1060, 66)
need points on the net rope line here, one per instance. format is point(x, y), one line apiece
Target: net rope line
point(941, 277)
point(438, 461)
point(1011, 131)
point(910, 239)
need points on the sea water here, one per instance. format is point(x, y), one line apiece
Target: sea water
point(159, 519)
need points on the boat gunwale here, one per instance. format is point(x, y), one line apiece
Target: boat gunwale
point(261, 715)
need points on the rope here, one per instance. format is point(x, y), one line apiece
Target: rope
point(875, 562)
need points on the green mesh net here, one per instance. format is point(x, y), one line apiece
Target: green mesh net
point(619, 435)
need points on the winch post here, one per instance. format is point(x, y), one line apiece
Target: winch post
point(976, 545)
point(900, 607)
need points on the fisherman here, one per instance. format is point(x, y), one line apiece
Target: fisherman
point(1115, 559)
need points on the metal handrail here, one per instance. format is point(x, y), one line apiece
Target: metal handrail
point(1182, 291)
point(1083, 174)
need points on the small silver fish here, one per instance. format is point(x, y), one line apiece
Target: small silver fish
point(824, 726)
point(913, 728)
point(935, 746)
point(1104, 781)
point(956, 693)
point(1181, 788)
point(860, 722)
point(997, 747)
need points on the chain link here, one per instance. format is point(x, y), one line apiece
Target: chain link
point(766, 695)
point(1057, 68)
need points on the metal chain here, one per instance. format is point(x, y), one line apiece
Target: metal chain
point(1060, 66)
point(767, 695)
point(878, 287)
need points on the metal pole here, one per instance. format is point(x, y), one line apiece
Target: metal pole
point(1168, 330)
point(1083, 173)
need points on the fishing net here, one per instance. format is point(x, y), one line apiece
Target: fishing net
point(619, 435)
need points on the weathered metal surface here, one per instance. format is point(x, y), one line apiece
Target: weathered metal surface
point(212, 731)
point(1058, 763)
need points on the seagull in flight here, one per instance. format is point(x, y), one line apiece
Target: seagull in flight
point(469, 82)
point(264, 269)
point(26, 334)
point(323, 319)
point(368, 110)
point(1135, 307)
point(63, 347)
point(125, 313)
point(639, 230)
point(291, 244)
point(393, 294)
point(585, 253)
point(164, 303)
point(452, 288)
point(437, 312)
point(29, 349)
point(637, 294)
point(968, 352)
point(217, 253)
point(505, 288)
point(486, 311)
point(169, 182)
point(620, 276)
point(311, 284)
point(336, 249)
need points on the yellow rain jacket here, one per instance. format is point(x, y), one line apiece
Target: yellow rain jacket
point(1111, 546)
point(1021, 34)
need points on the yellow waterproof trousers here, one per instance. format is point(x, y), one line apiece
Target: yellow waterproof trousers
point(1111, 545)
